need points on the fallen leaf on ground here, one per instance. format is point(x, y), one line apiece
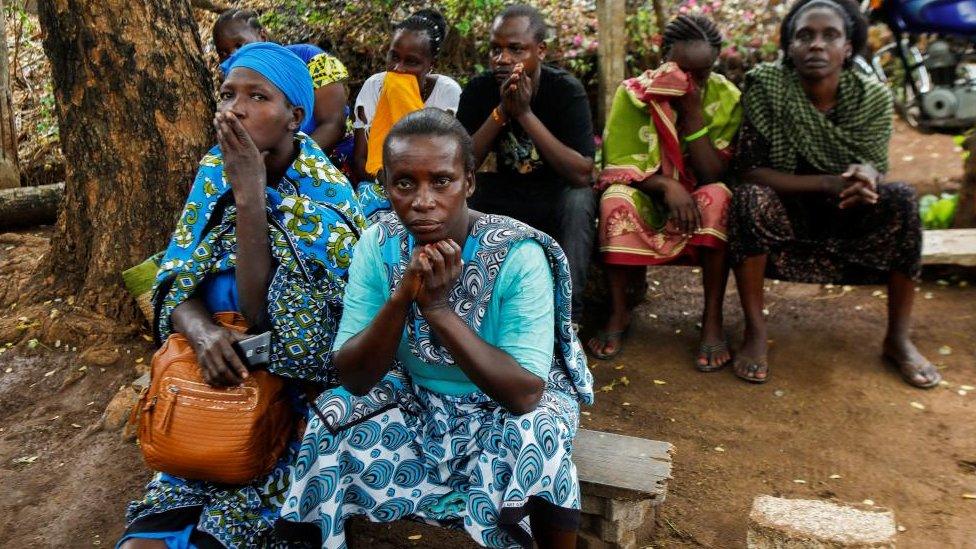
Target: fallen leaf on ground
point(962, 393)
point(945, 350)
point(967, 388)
point(147, 337)
point(618, 367)
point(868, 502)
point(719, 449)
point(660, 382)
point(917, 405)
point(927, 295)
point(799, 481)
point(26, 459)
point(901, 528)
point(51, 373)
point(626, 404)
point(969, 496)
point(835, 476)
point(414, 537)
point(76, 426)
point(139, 360)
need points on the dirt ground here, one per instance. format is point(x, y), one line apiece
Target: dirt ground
point(831, 407)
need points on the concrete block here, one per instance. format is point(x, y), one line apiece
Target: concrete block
point(630, 513)
point(585, 540)
point(593, 505)
point(779, 523)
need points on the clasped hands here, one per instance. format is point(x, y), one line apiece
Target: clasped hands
point(516, 93)
point(857, 185)
point(430, 275)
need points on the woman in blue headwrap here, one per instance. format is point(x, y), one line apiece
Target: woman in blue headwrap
point(329, 125)
point(267, 232)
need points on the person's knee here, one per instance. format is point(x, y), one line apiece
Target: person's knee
point(578, 203)
point(750, 192)
point(900, 193)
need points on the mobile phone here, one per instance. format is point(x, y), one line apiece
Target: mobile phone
point(254, 351)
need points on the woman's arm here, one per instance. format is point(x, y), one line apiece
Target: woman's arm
point(494, 371)
point(212, 344)
point(788, 183)
point(329, 114)
point(247, 174)
point(707, 163)
point(366, 357)
point(376, 323)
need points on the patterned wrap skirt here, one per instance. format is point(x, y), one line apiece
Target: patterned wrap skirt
point(461, 462)
point(809, 239)
point(635, 228)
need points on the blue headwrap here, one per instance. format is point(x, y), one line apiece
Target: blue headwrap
point(282, 68)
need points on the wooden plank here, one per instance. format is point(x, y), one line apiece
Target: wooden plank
point(622, 467)
point(611, 52)
point(949, 247)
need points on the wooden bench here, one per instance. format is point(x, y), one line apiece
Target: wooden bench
point(623, 480)
point(949, 247)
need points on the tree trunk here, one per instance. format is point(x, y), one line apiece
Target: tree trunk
point(966, 209)
point(135, 104)
point(9, 171)
point(28, 206)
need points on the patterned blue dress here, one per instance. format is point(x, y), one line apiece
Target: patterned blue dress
point(456, 460)
point(314, 221)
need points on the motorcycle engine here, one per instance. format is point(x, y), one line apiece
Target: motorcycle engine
point(948, 97)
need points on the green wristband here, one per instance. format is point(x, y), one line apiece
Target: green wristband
point(697, 135)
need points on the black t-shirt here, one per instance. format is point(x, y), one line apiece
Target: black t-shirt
point(514, 171)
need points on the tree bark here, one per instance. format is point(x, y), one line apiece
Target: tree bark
point(9, 170)
point(134, 104)
point(28, 206)
point(966, 209)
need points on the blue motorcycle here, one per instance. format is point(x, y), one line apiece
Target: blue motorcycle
point(930, 62)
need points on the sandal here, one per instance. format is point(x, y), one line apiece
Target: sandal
point(752, 368)
point(605, 337)
point(708, 351)
point(926, 369)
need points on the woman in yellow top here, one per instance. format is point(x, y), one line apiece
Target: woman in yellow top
point(408, 84)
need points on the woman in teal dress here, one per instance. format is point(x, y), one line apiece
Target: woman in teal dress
point(462, 377)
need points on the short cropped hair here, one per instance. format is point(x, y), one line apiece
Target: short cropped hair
point(434, 122)
point(537, 22)
point(855, 26)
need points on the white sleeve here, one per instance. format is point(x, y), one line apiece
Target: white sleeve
point(446, 95)
point(369, 96)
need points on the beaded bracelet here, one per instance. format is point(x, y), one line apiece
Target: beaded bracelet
point(697, 135)
point(498, 117)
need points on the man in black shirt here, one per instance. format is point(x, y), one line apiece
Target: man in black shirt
point(533, 133)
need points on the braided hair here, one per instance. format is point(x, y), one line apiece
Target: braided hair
point(248, 17)
point(691, 28)
point(430, 21)
point(855, 26)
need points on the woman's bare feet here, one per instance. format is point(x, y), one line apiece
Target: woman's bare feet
point(915, 369)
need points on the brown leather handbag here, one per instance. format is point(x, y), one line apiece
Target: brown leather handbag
point(229, 435)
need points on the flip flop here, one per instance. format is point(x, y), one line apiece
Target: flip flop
point(604, 337)
point(707, 351)
point(753, 368)
point(924, 369)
